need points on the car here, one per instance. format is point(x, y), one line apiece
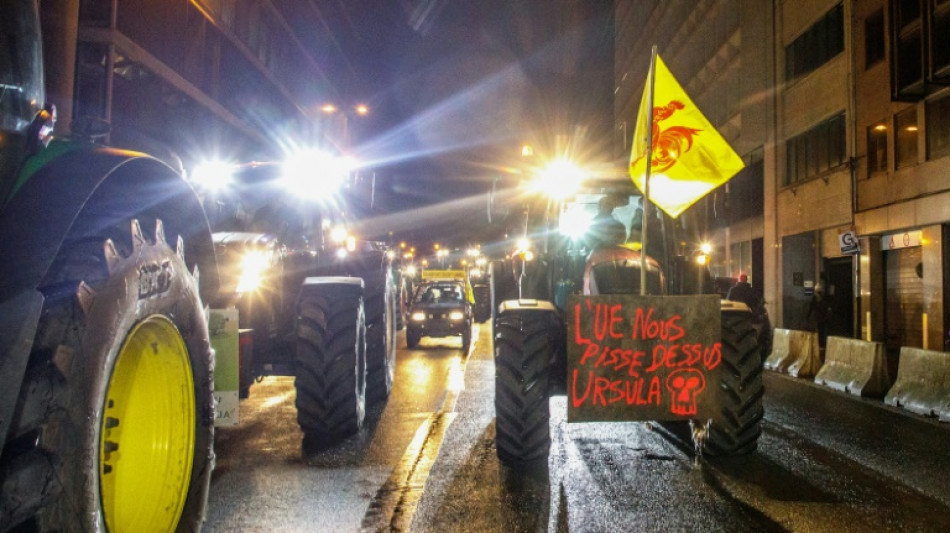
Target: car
point(440, 308)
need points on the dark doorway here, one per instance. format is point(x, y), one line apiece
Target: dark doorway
point(840, 280)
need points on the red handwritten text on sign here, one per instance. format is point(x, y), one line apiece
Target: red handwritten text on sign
point(641, 358)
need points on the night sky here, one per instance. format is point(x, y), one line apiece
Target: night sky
point(455, 88)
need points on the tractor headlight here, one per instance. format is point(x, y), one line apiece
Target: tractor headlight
point(575, 222)
point(559, 179)
point(418, 316)
point(314, 174)
point(213, 175)
point(456, 315)
point(254, 266)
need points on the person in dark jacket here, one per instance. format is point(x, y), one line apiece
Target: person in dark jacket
point(605, 229)
point(742, 292)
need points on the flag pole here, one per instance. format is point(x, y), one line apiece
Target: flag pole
point(646, 178)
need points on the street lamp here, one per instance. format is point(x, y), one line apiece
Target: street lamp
point(330, 108)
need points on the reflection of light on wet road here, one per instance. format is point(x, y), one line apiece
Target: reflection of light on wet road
point(420, 372)
point(274, 401)
point(395, 503)
point(456, 381)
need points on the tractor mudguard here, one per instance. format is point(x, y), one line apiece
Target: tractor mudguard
point(513, 306)
point(115, 184)
point(19, 317)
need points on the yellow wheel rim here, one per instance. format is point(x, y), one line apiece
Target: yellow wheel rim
point(146, 443)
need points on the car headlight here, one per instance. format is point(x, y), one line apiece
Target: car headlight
point(418, 316)
point(456, 315)
point(254, 265)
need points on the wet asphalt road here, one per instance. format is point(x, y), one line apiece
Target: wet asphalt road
point(426, 463)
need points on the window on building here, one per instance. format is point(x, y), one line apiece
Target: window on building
point(746, 191)
point(920, 47)
point(816, 151)
point(907, 36)
point(940, 41)
point(874, 38)
point(905, 128)
point(938, 128)
point(812, 49)
point(877, 148)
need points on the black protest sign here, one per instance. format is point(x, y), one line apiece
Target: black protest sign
point(642, 357)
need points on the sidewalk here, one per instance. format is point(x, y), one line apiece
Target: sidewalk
point(898, 444)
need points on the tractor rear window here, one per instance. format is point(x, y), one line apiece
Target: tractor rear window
point(623, 277)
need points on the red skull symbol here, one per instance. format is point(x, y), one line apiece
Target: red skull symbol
point(685, 384)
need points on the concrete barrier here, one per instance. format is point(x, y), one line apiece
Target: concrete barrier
point(923, 383)
point(781, 355)
point(854, 366)
point(794, 352)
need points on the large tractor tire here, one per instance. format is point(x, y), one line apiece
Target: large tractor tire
point(380, 335)
point(524, 345)
point(330, 362)
point(114, 428)
point(737, 424)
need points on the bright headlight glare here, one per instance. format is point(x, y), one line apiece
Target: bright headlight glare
point(213, 175)
point(253, 266)
point(418, 316)
point(481, 261)
point(410, 270)
point(559, 179)
point(456, 315)
point(314, 174)
point(350, 243)
point(338, 234)
point(341, 253)
point(575, 222)
point(523, 244)
point(706, 248)
point(528, 255)
point(702, 259)
point(475, 272)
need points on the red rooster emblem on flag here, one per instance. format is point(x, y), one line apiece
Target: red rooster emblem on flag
point(669, 143)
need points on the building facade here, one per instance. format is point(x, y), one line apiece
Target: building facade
point(185, 80)
point(841, 108)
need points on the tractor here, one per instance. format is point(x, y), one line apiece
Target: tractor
point(314, 301)
point(569, 317)
point(106, 370)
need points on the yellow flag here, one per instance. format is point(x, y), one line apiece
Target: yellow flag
point(690, 158)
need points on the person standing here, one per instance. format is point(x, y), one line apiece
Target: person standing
point(819, 310)
point(742, 292)
point(605, 229)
